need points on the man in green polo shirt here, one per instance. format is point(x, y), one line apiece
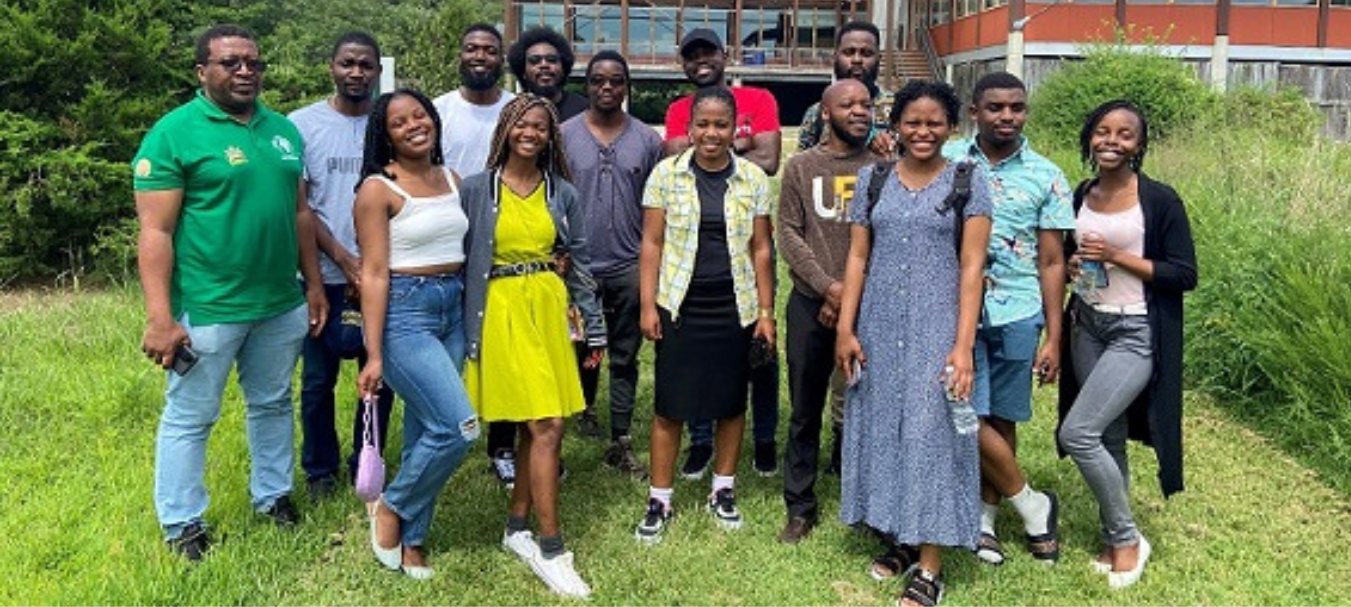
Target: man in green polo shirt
point(223, 230)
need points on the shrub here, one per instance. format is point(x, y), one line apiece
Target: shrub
point(1168, 91)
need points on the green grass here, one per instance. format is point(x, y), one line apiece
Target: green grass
point(81, 406)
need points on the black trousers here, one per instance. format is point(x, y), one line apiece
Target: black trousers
point(811, 360)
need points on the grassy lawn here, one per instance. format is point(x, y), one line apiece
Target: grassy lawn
point(80, 408)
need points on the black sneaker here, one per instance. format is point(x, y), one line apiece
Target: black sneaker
point(696, 462)
point(193, 543)
point(283, 512)
point(588, 426)
point(723, 506)
point(322, 487)
point(766, 462)
point(503, 465)
point(654, 521)
point(620, 457)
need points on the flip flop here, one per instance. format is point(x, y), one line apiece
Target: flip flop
point(1045, 547)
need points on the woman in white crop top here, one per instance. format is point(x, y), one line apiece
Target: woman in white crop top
point(411, 226)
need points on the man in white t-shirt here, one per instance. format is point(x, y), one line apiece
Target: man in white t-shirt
point(468, 117)
point(469, 113)
point(334, 130)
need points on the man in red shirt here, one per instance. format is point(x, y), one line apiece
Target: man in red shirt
point(757, 132)
point(758, 140)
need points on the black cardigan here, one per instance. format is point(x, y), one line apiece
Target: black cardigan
point(1155, 418)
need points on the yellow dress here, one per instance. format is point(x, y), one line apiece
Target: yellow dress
point(527, 368)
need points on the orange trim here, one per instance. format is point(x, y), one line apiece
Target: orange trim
point(1171, 23)
point(1339, 27)
point(1274, 25)
point(1070, 23)
point(994, 27)
point(939, 34)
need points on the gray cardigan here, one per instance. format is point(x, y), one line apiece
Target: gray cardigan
point(480, 194)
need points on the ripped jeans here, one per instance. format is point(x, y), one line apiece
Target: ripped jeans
point(423, 355)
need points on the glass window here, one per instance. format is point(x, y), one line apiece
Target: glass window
point(1341, 2)
point(1194, 1)
point(939, 12)
point(652, 32)
point(1253, 2)
point(1296, 3)
point(539, 13)
point(597, 28)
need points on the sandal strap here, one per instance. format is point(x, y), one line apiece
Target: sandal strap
point(923, 589)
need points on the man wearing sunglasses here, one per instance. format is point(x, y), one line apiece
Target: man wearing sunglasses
point(224, 226)
point(611, 154)
point(541, 59)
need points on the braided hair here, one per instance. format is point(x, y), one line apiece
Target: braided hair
point(378, 150)
point(1091, 124)
point(551, 159)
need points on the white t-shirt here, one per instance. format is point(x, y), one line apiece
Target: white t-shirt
point(467, 130)
point(333, 146)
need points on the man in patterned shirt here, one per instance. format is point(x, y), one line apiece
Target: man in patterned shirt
point(1024, 287)
point(857, 56)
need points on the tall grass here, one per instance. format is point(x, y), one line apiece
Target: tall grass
point(1269, 327)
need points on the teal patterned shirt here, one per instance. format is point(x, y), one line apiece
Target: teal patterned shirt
point(1029, 193)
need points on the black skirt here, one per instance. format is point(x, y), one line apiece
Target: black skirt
point(701, 368)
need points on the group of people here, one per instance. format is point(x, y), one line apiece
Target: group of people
point(493, 249)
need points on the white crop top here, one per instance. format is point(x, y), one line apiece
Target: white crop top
point(428, 230)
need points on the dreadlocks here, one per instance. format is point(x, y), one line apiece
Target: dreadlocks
point(551, 158)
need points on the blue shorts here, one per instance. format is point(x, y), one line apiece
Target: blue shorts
point(1004, 358)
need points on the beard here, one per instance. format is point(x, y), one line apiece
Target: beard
point(474, 82)
point(847, 137)
point(548, 91)
point(869, 77)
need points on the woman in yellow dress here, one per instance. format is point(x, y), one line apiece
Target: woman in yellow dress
point(525, 266)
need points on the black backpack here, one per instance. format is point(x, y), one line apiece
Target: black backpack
point(955, 201)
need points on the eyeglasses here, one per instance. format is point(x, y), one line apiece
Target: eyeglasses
point(600, 81)
point(233, 64)
point(538, 59)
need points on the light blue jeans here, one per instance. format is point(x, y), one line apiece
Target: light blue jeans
point(265, 352)
point(423, 353)
point(1113, 360)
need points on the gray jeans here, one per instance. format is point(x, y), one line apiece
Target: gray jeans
point(1113, 361)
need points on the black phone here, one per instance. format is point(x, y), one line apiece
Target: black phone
point(184, 359)
point(760, 354)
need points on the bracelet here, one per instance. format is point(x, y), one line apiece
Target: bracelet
point(763, 313)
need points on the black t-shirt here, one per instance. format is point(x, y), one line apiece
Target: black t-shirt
point(712, 262)
point(571, 105)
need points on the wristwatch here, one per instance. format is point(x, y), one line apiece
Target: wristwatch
point(765, 313)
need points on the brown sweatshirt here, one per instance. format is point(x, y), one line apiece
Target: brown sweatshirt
point(813, 226)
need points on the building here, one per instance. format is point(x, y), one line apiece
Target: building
point(786, 45)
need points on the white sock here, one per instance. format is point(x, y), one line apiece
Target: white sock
point(1034, 507)
point(988, 514)
point(722, 482)
point(662, 495)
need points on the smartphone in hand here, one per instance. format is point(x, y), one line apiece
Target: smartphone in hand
point(184, 359)
point(856, 374)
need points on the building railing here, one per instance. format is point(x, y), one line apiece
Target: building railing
point(926, 44)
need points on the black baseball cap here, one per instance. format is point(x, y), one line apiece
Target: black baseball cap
point(698, 36)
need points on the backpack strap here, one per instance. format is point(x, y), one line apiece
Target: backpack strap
point(957, 199)
point(876, 181)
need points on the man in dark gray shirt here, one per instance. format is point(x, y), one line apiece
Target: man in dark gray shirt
point(611, 154)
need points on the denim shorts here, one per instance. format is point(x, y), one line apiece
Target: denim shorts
point(1004, 357)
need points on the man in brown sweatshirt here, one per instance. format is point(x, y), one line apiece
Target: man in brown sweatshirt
point(813, 237)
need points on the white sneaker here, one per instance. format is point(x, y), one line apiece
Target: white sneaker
point(1121, 579)
point(560, 575)
point(522, 544)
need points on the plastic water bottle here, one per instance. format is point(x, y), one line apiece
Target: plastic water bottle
point(964, 418)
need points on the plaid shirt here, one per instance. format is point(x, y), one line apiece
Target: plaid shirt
point(673, 188)
point(814, 129)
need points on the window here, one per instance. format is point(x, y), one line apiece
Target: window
point(539, 13)
point(938, 12)
point(652, 32)
point(597, 28)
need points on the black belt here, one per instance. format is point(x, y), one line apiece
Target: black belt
point(521, 269)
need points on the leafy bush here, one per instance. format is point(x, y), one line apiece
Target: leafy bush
point(1168, 91)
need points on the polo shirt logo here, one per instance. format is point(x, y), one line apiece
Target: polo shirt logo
point(235, 156)
point(143, 167)
point(283, 145)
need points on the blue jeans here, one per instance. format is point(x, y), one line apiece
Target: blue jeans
point(319, 450)
point(266, 352)
point(423, 353)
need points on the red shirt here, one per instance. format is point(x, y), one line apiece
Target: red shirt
point(756, 112)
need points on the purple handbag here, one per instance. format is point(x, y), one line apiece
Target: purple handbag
point(370, 482)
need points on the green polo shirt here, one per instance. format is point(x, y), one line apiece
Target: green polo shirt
point(235, 246)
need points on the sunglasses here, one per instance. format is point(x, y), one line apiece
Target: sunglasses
point(538, 59)
point(233, 64)
point(615, 81)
